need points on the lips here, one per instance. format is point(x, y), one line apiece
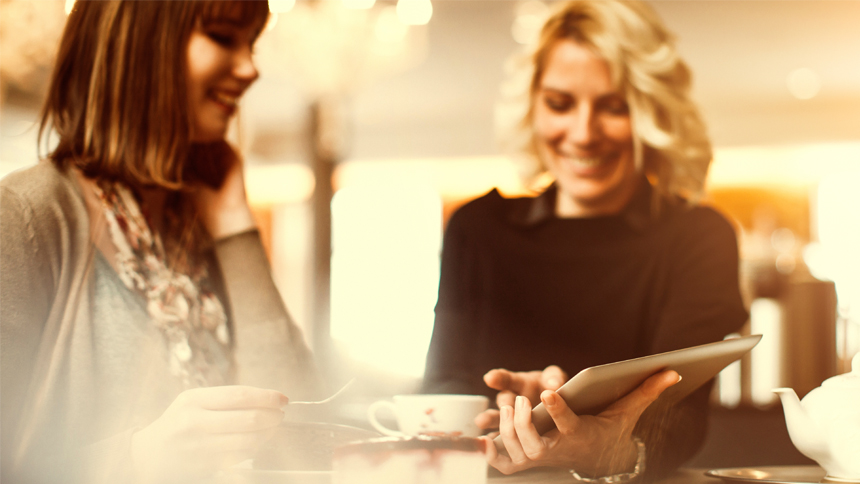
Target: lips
point(227, 99)
point(594, 165)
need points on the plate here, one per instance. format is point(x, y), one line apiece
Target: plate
point(770, 474)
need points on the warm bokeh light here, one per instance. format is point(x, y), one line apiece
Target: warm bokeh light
point(837, 257)
point(803, 83)
point(414, 12)
point(729, 381)
point(838, 205)
point(388, 27)
point(452, 178)
point(277, 184)
point(281, 6)
point(783, 166)
point(358, 4)
point(766, 320)
point(272, 22)
point(332, 49)
point(530, 16)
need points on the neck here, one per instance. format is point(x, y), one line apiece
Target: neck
point(610, 204)
point(152, 204)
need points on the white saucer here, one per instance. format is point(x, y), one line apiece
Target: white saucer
point(773, 475)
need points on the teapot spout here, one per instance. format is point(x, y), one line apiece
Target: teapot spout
point(804, 432)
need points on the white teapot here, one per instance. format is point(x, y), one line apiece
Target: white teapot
point(825, 426)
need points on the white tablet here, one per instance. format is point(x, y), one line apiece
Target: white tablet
point(593, 389)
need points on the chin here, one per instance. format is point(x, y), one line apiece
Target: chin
point(209, 137)
point(586, 192)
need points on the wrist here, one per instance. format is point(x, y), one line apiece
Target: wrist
point(624, 471)
point(229, 222)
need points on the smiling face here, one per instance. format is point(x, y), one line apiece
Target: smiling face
point(583, 132)
point(220, 68)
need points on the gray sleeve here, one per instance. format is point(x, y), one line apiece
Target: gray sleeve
point(26, 295)
point(270, 349)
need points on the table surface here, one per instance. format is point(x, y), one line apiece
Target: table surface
point(532, 476)
point(553, 476)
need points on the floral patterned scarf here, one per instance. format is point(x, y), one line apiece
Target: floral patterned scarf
point(190, 318)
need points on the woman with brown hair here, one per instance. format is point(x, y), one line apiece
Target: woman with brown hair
point(135, 290)
point(613, 261)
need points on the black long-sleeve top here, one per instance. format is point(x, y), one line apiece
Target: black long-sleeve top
point(523, 289)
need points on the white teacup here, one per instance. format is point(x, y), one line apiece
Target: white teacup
point(449, 415)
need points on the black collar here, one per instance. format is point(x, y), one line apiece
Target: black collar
point(637, 214)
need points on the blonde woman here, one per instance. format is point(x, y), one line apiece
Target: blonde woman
point(134, 285)
point(613, 261)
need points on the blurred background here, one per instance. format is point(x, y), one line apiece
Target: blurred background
point(374, 120)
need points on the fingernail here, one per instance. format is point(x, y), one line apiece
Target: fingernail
point(486, 443)
point(554, 383)
point(680, 378)
point(548, 399)
point(284, 400)
point(506, 412)
point(520, 401)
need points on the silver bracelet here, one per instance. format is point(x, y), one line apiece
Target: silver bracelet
point(625, 477)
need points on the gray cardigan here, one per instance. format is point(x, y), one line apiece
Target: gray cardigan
point(47, 362)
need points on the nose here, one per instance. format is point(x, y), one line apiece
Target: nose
point(583, 129)
point(244, 67)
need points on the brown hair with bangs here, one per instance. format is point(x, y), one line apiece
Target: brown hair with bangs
point(120, 75)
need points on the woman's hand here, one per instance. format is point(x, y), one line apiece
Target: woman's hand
point(510, 384)
point(599, 445)
point(205, 430)
point(219, 197)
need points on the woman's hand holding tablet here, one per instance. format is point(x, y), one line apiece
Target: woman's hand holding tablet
point(597, 399)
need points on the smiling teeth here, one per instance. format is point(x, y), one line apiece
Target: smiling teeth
point(225, 99)
point(590, 162)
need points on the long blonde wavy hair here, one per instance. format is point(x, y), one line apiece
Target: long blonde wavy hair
point(671, 144)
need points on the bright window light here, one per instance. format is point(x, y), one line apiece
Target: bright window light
point(454, 178)
point(836, 257)
point(274, 184)
point(386, 240)
point(358, 4)
point(784, 166)
point(729, 382)
point(766, 320)
point(414, 12)
point(281, 6)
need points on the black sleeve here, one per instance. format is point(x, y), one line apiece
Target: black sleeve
point(450, 367)
point(703, 301)
point(703, 304)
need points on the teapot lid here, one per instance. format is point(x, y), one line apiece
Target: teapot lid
point(847, 380)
